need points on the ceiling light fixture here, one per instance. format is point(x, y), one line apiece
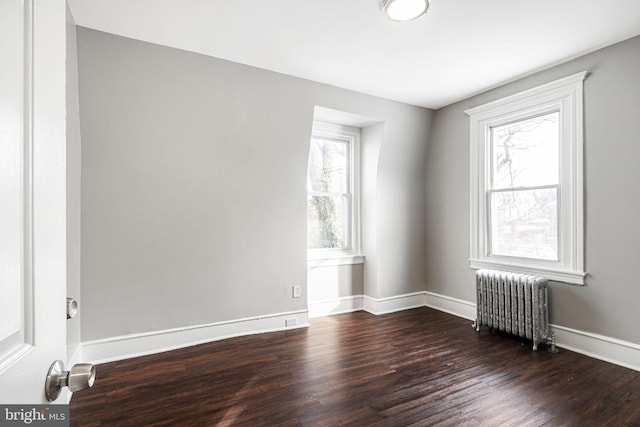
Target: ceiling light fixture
point(404, 10)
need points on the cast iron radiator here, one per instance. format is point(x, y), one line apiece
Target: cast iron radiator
point(513, 303)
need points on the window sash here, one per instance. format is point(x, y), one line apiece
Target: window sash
point(493, 142)
point(348, 162)
point(489, 188)
point(492, 223)
point(342, 224)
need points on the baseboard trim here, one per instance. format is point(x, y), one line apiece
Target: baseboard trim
point(612, 350)
point(601, 347)
point(450, 305)
point(134, 345)
point(392, 304)
point(608, 349)
point(336, 306)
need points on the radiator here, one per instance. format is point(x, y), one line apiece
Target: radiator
point(513, 303)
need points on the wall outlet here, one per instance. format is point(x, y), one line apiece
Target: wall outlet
point(296, 291)
point(291, 322)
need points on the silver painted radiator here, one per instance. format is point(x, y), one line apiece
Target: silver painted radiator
point(513, 303)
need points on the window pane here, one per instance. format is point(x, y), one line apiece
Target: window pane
point(524, 223)
point(327, 219)
point(526, 153)
point(328, 166)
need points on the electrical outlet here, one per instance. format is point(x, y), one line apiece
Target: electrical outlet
point(291, 322)
point(296, 291)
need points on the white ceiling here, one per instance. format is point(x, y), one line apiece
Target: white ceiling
point(460, 48)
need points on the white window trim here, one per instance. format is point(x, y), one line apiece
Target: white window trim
point(353, 254)
point(566, 96)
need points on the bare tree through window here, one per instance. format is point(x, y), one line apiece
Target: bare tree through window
point(524, 188)
point(328, 204)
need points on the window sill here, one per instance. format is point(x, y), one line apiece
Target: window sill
point(565, 276)
point(335, 261)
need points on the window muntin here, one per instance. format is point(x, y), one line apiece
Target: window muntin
point(527, 182)
point(333, 191)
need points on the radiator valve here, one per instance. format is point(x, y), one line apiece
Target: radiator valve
point(552, 343)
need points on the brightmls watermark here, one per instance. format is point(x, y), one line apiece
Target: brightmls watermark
point(34, 415)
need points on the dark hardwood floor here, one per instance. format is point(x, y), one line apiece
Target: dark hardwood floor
point(417, 367)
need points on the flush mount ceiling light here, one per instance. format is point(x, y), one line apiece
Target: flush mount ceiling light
point(404, 10)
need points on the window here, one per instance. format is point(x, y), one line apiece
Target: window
point(526, 182)
point(333, 223)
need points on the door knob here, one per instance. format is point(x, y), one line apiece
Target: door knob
point(79, 377)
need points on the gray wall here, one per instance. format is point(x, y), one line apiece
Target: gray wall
point(608, 303)
point(370, 156)
point(73, 184)
point(193, 187)
point(333, 282)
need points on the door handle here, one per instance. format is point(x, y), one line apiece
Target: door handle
point(79, 377)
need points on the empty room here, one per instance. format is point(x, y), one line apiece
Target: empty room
point(319, 213)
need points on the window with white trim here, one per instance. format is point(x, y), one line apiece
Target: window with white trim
point(527, 182)
point(333, 193)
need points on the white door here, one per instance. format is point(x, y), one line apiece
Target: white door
point(32, 196)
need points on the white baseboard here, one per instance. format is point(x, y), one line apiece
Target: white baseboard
point(609, 349)
point(455, 306)
point(392, 304)
point(126, 346)
point(336, 306)
point(601, 347)
point(372, 305)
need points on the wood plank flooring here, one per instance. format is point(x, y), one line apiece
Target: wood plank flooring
point(418, 367)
